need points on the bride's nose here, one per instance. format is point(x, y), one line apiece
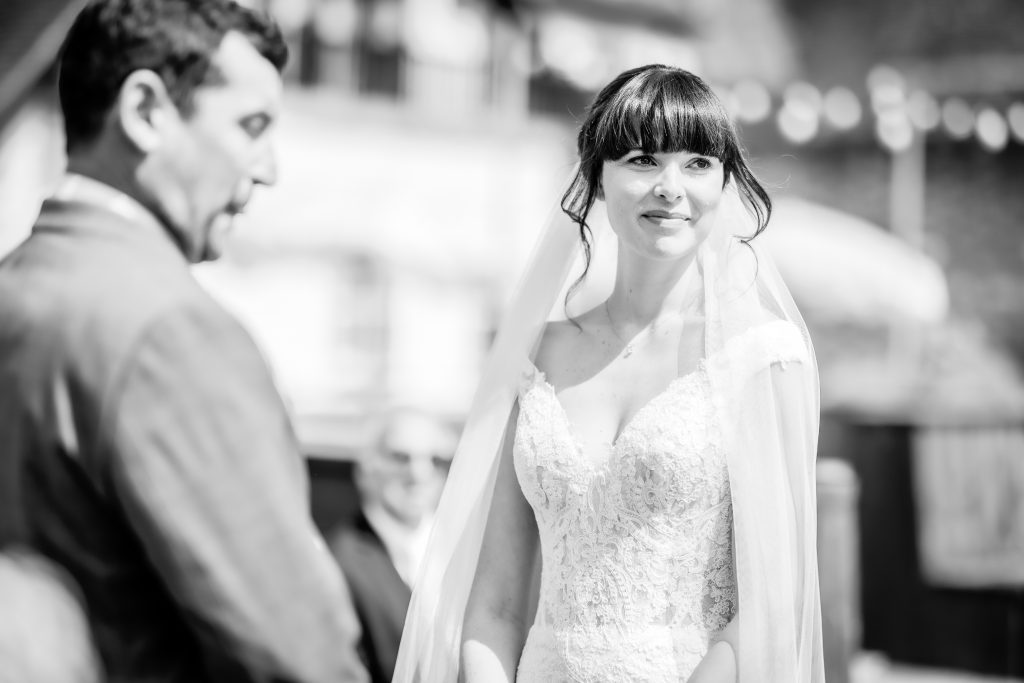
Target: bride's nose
point(669, 184)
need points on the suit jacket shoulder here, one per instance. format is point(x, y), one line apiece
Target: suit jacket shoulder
point(381, 597)
point(94, 287)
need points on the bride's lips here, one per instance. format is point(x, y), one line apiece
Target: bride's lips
point(668, 219)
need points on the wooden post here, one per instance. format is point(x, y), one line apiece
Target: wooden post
point(838, 566)
point(906, 220)
point(906, 192)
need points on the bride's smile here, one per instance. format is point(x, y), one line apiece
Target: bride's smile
point(662, 204)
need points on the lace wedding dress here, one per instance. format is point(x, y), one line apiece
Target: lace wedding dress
point(636, 541)
point(639, 571)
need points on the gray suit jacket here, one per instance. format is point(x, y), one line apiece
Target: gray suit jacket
point(144, 447)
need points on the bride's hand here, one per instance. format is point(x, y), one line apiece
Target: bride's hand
point(718, 665)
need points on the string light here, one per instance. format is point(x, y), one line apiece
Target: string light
point(882, 76)
point(841, 108)
point(992, 130)
point(894, 130)
point(923, 110)
point(798, 124)
point(886, 88)
point(899, 116)
point(957, 118)
point(1015, 117)
point(805, 95)
point(752, 100)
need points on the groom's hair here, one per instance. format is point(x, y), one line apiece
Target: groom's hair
point(176, 39)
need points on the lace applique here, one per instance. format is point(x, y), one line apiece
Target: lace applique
point(779, 342)
point(759, 347)
point(637, 547)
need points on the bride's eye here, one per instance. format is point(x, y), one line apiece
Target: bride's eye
point(642, 160)
point(702, 163)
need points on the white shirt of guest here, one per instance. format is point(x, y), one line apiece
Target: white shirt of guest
point(406, 546)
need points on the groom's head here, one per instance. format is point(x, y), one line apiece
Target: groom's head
point(171, 102)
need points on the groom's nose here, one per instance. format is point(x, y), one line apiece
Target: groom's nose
point(421, 467)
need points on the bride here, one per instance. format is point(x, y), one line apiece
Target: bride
point(652, 455)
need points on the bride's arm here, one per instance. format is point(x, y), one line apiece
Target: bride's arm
point(719, 664)
point(791, 389)
point(496, 614)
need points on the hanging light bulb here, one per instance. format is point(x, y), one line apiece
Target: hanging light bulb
point(886, 87)
point(957, 118)
point(841, 108)
point(797, 123)
point(923, 110)
point(991, 129)
point(752, 100)
point(804, 95)
point(884, 76)
point(894, 130)
point(1015, 117)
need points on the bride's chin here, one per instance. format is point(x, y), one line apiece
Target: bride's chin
point(673, 248)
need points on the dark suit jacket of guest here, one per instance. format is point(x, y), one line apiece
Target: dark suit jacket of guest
point(380, 595)
point(145, 448)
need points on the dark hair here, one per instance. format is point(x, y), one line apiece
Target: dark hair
point(656, 108)
point(176, 39)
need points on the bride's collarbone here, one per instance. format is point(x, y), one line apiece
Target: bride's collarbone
point(596, 383)
point(601, 406)
point(614, 378)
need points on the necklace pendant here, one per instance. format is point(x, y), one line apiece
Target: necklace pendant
point(627, 350)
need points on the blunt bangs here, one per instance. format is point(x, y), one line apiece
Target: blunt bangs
point(656, 108)
point(665, 111)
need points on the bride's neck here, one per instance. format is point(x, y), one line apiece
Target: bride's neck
point(646, 291)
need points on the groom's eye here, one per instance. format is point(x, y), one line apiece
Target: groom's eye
point(256, 124)
point(400, 457)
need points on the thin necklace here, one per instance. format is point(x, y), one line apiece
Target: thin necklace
point(645, 333)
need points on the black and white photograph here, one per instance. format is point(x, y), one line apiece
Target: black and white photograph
point(511, 341)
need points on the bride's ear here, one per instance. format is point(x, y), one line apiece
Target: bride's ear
point(600, 191)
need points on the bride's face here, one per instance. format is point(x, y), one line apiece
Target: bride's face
point(662, 205)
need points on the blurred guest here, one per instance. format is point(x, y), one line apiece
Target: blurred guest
point(44, 635)
point(152, 454)
point(399, 483)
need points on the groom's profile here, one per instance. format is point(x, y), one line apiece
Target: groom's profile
point(145, 448)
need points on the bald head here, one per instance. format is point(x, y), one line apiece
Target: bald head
point(405, 473)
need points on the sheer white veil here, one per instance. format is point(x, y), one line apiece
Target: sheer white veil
point(765, 383)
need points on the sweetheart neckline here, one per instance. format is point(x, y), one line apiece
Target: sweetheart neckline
point(629, 424)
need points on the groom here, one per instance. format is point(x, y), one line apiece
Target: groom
point(142, 443)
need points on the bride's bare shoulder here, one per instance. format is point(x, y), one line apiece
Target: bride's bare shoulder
point(565, 344)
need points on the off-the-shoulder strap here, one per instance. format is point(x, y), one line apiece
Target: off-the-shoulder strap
point(746, 354)
point(530, 376)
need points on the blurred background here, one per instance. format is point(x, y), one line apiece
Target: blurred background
point(424, 143)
